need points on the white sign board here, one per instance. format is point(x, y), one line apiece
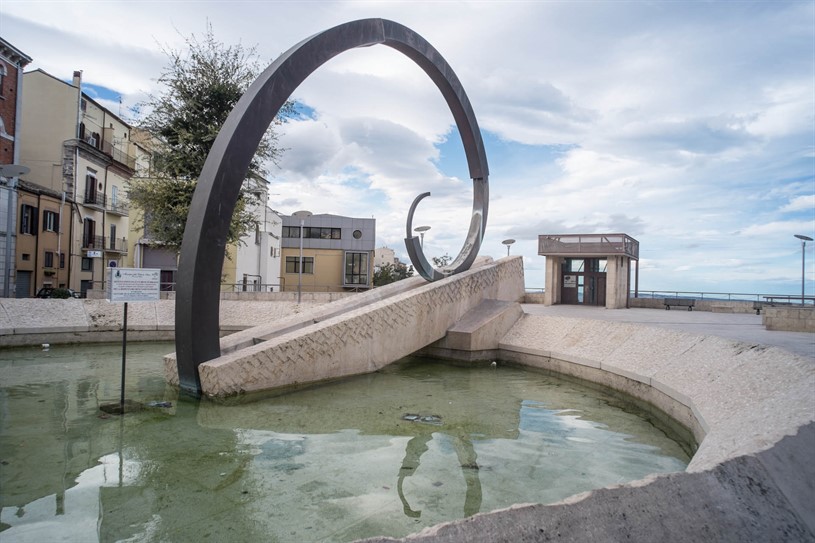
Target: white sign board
point(570, 281)
point(133, 285)
point(94, 254)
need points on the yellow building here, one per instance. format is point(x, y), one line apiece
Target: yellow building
point(337, 253)
point(81, 151)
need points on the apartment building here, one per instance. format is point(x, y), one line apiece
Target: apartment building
point(80, 156)
point(12, 63)
point(254, 263)
point(338, 253)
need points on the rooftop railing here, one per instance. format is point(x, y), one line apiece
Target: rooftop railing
point(594, 245)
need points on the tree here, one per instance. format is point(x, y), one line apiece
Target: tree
point(199, 87)
point(390, 273)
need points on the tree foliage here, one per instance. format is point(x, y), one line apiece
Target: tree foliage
point(390, 273)
point(199, 87)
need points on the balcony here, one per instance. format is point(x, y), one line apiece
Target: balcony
point(95, 200)
point(109, 245)
point(119, 207)
point(93, 242)
point(116, 245)
point(118, 155)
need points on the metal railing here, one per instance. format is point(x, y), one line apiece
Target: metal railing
point(120, 207)
point(726, 296)
point(118, 155)
point(95, 199)
point(93, 242)
point(118, 245)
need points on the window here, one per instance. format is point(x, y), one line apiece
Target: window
point(28, 219)
point(112, 237)
point(62, 260)
point(48, 262)
point(312, 232)
point(356, 268)
point(3, 73)
point(87, 264)
point(357, 234)
point(292, 267)
point(90, 187)
point(88, 233)
point(26, 257)
point(50, 221)
point(114, 196)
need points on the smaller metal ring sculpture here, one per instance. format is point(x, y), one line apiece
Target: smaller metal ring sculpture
point(204, 243)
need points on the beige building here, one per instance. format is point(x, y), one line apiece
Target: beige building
point(81, 151)
point(144, 251)
point(338, 253)
point(588, 269)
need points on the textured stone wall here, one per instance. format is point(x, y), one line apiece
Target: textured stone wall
point(790, 319)
point(31, 321)
point(364, 339)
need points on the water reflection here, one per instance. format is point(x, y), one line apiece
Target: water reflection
point(335, 462)
point(468, 460)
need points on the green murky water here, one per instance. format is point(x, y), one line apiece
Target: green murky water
point(384, 454)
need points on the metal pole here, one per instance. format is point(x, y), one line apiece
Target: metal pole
point(804, 239)
point(300, 263)
point(9, 228)
point(124, 358)
point(803, 269)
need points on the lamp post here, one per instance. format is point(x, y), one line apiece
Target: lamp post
point(421, 230)
point(10, 172)
point(804, 239)
point(302, 215)
point(508, 242)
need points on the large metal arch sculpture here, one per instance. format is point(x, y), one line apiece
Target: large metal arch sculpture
point(202, 251)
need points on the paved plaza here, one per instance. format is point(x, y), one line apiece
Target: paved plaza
point(737, 326)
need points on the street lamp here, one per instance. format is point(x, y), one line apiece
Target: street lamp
point(421, 230)
point(302, 215)
point(11, 172)
point(508, 242)
point(804, 239)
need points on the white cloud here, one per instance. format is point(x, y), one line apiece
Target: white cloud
point(690, 126)
point(801, 203)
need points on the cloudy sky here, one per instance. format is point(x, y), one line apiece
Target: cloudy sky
point(687, 125)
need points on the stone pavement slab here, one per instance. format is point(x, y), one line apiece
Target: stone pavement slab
point(744, 327)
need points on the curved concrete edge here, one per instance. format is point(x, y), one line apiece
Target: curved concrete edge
point(742, 398)
point(749, 498)
point(751, 407)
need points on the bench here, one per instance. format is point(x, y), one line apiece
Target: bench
point(682, 302)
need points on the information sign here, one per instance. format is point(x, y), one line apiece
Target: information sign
point(133, 285)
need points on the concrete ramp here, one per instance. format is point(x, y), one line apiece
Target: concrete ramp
point(353, 336)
